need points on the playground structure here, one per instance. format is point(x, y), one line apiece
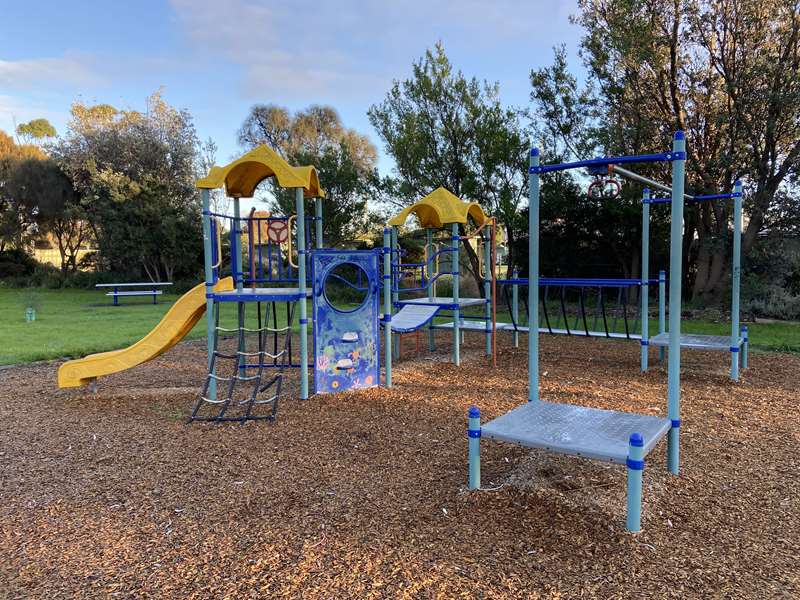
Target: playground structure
point(613, 436)
point(237, 387)
point(439, 211)
point(241, 385)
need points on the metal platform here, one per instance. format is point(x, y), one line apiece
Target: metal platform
point(567, 429)
point(413, 316)
point(261, 295)
point(443, 302)
point(697, 341)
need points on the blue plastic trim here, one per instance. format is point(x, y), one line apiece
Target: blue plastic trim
point(209, 294)
point(387, 319)
point(636, 440)
point(734, 348)
point(456, 238)
point(303, 321)
point(534, 152)
point(635, 465)
point(644, 343)
point(676, 423)
point(474, 433)
point(680, 135)
point(474, 412)
point(302, 252)
point(712, 197)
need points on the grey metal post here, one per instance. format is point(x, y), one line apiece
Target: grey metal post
point(635, 463)
point(301, 277)
point(474, 437)
point(675, 278)
point(515, 306)
point(387, 302)
point(428, 270)
point(488, 269)
point(396, 274)
point(205, 196)
point(533, 278)
point(455, 266)
point(318, 222)
point(645, 287)
point(662, 308)
point(736, 278)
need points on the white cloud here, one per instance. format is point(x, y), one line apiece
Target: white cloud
point(317, 50)
point(38, 73)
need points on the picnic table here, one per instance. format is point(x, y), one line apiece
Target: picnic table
point(140, 289)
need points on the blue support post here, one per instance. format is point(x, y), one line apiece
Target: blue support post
point(515, 306)
point(428, 269)
point(635, 465)
point(387, 302)
point(533, 277)
point(745, 346)
point(209, 276)
point(488, 269)
point(301, 284)
point(455, 268)
point(474, 437)
point(736, 278)
point(318, 222)
point(644, 290)
point(675, 278)
point(662, 309)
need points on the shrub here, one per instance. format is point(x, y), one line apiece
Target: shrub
point(15, 262)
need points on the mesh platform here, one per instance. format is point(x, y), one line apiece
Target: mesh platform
point(480, 326)
point(261, 295)
point(697, 341)
point(576, 430)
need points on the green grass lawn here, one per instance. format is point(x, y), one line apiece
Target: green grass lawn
point(79, 322)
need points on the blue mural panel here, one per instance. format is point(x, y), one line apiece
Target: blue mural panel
point(345, 309)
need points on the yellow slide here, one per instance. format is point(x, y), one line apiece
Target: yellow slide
point(179, 320)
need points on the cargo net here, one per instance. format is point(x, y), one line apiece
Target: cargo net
point(246, 373)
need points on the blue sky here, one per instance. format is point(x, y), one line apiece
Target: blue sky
point(217, 58)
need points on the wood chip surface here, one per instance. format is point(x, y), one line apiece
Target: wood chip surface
point(363, 494)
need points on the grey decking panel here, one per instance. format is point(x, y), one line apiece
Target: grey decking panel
point(590, 432)
point(696, 341)
point(444, 301)
point(412, 317)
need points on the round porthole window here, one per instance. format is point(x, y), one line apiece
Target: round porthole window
point(346, 287)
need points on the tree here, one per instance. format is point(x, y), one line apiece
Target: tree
point(42, 190)
point(443, 129)
point(345, 161)
point(35, 131)
point(135, 174)
point(17, 217)
point(725, 71)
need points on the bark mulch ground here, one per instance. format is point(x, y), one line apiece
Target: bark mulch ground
point(363, 494)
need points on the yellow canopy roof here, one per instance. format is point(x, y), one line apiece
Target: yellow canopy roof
point(439, 208)
point(241, 177)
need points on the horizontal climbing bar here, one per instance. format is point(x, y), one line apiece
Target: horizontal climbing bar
point(611, 160)
point(575, 281)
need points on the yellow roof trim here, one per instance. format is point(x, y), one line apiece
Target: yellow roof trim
point(241, 177)
point(439, 208)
